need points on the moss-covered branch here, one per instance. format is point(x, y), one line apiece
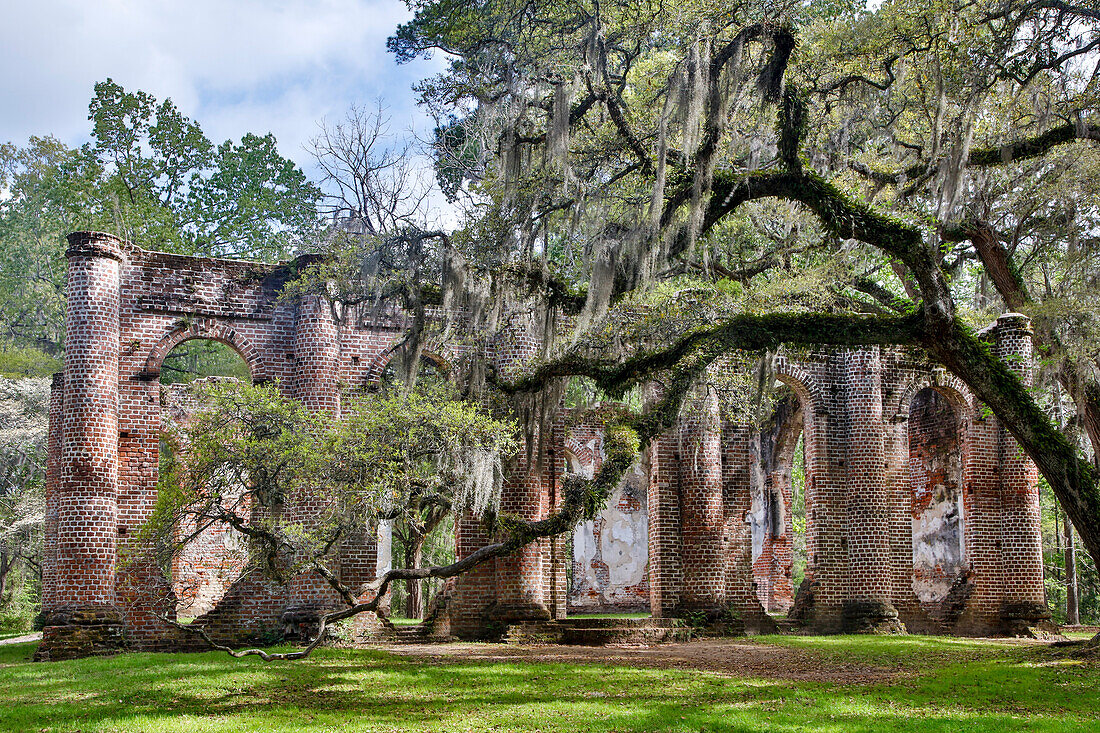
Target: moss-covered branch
point(745, 332)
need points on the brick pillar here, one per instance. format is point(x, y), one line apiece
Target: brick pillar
point(665, 575)
point(474, 591)
point(53, 471)
point(982, 520)
point(1021, 533)
point(521, 578)
point(557, 591)
point(701, 508)
point(868, 606)
point(84, 619)
point(520, 592)
point(899, 499)
point(316, 385)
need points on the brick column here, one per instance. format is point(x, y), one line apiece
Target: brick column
point(474, 591)
point(520, 592)
point(982, 520)
point(53, 471)
point(665, 575)
point(868, 606)
point(83, 619)
point(557, 591)
point(521, 577)
point(701, 508)
point(1021, 533)
point(316, 385)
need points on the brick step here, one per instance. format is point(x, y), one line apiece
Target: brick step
point(604, 623)
point(597, 632)
point(625, 635)
point(418, 634)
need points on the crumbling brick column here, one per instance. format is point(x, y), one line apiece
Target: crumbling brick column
point(1021, 532)
point(316, 385)
point(521, 576)
point(557, 554)
point(665, 576)
point(474, 591)
point(520, 589)
point(868, 606)
point(53, 470)
point(83, 618)
point(701, 508)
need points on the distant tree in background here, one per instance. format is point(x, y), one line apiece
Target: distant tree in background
point(23, 409)
point(151, 176)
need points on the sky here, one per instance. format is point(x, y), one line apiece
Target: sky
point(234, 66)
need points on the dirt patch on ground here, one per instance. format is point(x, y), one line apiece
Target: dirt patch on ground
point(21, 639)
point(733, 657)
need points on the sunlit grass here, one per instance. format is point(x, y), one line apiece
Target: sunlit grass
point(939, 685)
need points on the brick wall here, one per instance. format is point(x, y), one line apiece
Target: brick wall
point(128, 308)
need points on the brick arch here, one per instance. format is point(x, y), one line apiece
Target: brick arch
point(939, 379)
point(373, 374)
point(580, 452)
point(205, 328)
point(801, 381)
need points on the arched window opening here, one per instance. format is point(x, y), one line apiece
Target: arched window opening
point(201, 358)
point(777, 518)
point(936, 486)
point(610, 554)
point(431, 371)
point(207, 556)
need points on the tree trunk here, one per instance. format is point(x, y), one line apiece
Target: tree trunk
point(6, 563)
point(414, 553)
point(1073, 616)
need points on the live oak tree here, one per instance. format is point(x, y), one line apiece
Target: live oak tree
point(697, 182)
point(611, 144)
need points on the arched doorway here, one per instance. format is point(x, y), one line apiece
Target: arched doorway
point(936, 455)
point(778, 517)
point(207, 556)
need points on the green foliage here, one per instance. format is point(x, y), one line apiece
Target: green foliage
point(1054, 563)
point(18, 362)
point(159, 182)
point(251, 446)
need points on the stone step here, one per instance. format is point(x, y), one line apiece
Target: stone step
point(598, 632)
point(625, 635)
point(602, 623)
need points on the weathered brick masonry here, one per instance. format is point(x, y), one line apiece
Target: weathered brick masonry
point(920, 510)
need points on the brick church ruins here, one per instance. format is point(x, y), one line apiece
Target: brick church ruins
point(920, 511)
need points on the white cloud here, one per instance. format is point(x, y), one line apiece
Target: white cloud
point(235, 66)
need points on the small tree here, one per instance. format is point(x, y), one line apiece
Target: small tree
point(250, 451)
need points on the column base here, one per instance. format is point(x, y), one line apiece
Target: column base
point(301, 623)
point(507, 613)
point(71, 633)
point(1028, 619)
point(870, 617)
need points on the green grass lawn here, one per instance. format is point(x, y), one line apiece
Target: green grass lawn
point(940, 685)
point(398, 621)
